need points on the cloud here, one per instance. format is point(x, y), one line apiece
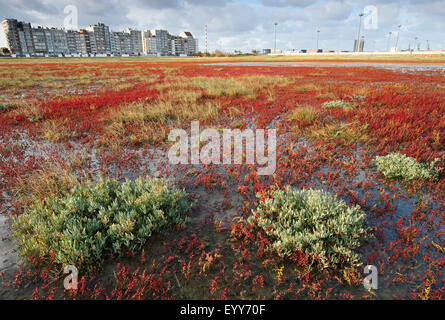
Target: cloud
point(248, 24)
point(159, 4)
point(331, 11)
point(288, 3)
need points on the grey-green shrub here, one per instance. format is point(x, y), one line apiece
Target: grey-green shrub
point(95, 220)
point(337, 104)
point(313, 221)
point(400, 166)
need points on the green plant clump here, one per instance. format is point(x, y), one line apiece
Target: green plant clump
point(6, 106)
point(312, 221)
point(400, 166)
point(337, 104)
point(98, 219)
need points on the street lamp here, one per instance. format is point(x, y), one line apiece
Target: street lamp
point(357, 46)
point(397, 40)
point(275, 24)
point(389, 38)
point(318, 39)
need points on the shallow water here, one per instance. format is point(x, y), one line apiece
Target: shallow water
point(389, 66)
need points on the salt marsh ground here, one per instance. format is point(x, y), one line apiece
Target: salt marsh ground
point(70, 123)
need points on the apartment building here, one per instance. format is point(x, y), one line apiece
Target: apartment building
point(101, 34)
point(97, 39)
point(71, 40)
point(136, 46)
point(59, 38)
point(25, 36)
point(18, 36)
point(39, 40)
point(122, 42)
point(177, 47)
point(190, 43)
point(81, 42)
point(157, 42)
point(149, 44)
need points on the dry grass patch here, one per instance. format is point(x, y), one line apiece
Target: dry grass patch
point(344, 132)
point(306, 88)
point(51, 180)
point(326, 96)
point(241, 86)
point(141, 122)
point(31, 110)
point(181, 95)
point(303, 114)
point(55, 130)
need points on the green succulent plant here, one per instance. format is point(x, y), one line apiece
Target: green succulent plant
point(313, 221)
point(98, 219)
point(400, 166)
point(337, 104)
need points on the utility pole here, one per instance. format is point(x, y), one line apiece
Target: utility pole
point(275, 48)
point(206, 40)
point(318, 39)
point(397, 40)
point(428, 45)
point(357, 46)
point(389, 38)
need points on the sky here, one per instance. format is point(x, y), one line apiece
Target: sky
point(249, 24)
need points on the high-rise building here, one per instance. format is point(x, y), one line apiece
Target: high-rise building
point(39, 40)
point(71, 40)
point(122, 42)
point(101, 34)
point(18, 37)
point(82, 42)
point(177, 46)
point(97, 39)
point(59, 38)
point(190, 43)
point(149, 43)
point(49, 41)
point(157, 42)
point(10, 27)
point(25, 34)
point(136, 46)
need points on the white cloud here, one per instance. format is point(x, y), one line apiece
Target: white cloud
point(248, 24)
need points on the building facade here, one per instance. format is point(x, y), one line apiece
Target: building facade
point(190, 43)
point(18, 37)
point(136, 46)
point(100, 35)
point(24, 40)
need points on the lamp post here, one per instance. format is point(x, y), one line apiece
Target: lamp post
point(397, 39)
point(389, 38)
point(358, 35)
point(318, 39)
point(275, 48)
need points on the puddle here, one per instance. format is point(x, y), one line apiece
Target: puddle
point(388, 66)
